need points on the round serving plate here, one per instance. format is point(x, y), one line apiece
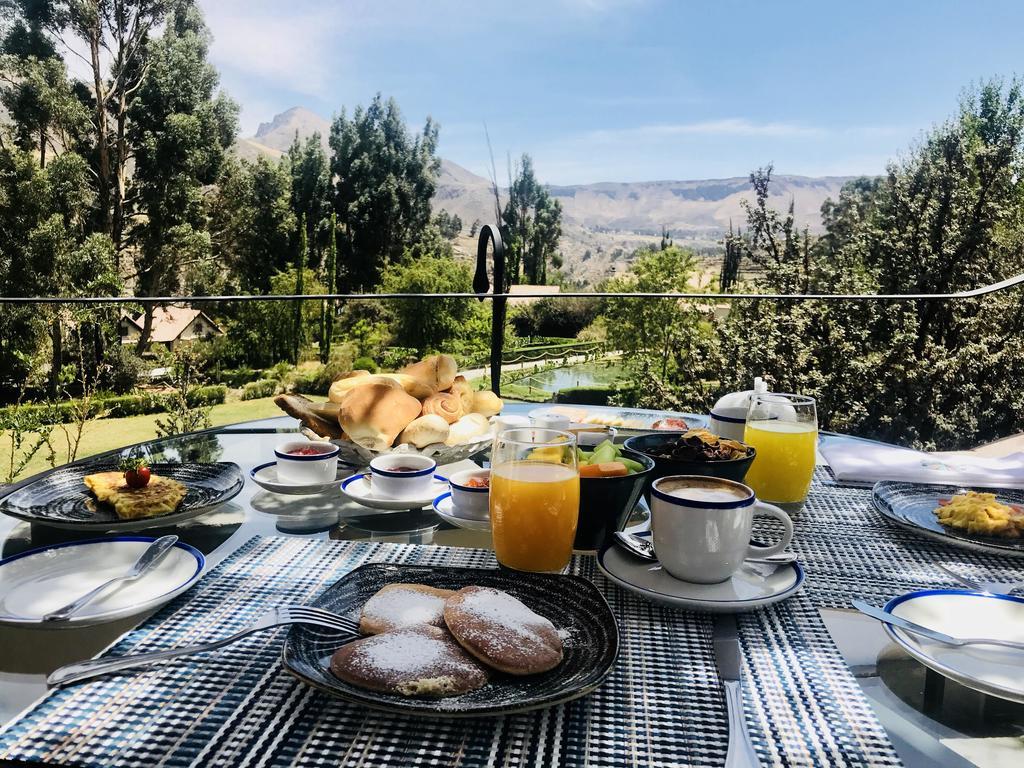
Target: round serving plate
point(39, 581)
point(752, 586)
point(962, 613)
point(912, 506)
point(573, 604)
point(60, 498)
point(445, 509)
point(628, 421)
point(359, 489)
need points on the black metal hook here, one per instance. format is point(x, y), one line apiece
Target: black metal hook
point(480, 286)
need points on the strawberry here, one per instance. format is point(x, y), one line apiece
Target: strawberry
point(136, 473)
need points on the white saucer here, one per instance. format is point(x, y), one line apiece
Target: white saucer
point(39, 581)
point(748, 588)
point(265, 476)
point(445, 509)
point(358, 489)
point(960, 613)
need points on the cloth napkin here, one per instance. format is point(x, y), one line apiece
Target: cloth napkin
point(858, 461)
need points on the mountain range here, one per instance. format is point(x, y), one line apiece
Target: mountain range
point(603, 222)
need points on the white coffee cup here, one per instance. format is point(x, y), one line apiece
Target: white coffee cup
point(701, 526)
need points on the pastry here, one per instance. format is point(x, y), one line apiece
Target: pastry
point(436, 372)
point(415, 661)
point(464, 390)
point(424, 431)
point(468, 428)
point(403, 605)
point(410, 385)
point(502, 632)
point(486, 403)
point(160, 496)
point(321, 418)
point(444, 404)
point(373, 415)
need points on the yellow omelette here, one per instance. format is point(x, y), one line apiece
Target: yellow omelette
point(160, 497)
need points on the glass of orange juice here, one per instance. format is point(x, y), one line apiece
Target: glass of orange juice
point(784, 431)
point(534, 499)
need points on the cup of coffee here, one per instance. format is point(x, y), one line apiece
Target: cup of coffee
point(701, 526)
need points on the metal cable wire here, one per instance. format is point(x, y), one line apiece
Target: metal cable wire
point(1002, 285)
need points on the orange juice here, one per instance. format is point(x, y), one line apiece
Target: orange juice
point(782, 469)
point(534, 509)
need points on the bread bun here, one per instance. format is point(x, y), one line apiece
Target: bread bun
point(436, 372)
point(424, 431)
point(486, 403)
point(467, 429)
point(407, 383)
point(444, 404)
point(464, 390)
point(373, 415)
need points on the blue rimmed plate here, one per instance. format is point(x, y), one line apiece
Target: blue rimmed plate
point(445, 509)
point(360, 490)
point(265, 476)
point(61, 500)
point(753, 586)
point(39, 581)
point(961, 613)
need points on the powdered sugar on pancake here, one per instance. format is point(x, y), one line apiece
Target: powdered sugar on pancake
point(500, 608)
point(402, 607)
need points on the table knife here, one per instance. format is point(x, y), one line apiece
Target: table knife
point(728, 657)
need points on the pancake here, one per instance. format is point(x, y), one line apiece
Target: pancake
point(502, 632)
point(160, 497)
point(403, 605)
point(415, 661)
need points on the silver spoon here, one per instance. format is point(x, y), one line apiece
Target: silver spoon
point(154, 554)
point(642, 547)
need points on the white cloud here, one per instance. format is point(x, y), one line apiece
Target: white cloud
point(732, 126)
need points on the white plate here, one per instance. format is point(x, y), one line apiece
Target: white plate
point(39, 581)
point(748, 588)
point(265, 476)
point(445, 509)
point(358, 488)
point(960, 613)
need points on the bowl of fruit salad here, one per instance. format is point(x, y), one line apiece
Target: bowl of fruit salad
point(471, 490)
point(611, 481)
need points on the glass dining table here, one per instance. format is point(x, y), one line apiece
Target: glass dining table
point(930, 720)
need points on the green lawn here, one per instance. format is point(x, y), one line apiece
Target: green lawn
point(107, 434)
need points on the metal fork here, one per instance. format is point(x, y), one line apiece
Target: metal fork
point(275, 617)
point(992, 587)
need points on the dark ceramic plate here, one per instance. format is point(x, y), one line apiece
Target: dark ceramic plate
point(60, 499)
point(912, 505)
point(571, 603)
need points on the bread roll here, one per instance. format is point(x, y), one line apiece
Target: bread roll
point(373, 415)
point(468, 428)
point(437, 371)
point(464, 390)
point(487, 403)
point(424, 431)
point(318, 417)
point(411, 386)
point(444, 404)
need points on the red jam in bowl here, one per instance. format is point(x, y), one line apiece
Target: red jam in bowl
point(310, 451)
point(405, 469)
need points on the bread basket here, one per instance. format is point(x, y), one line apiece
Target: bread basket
point(353, 453)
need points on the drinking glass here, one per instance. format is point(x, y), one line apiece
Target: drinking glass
point(783, 429)
point(534, 499)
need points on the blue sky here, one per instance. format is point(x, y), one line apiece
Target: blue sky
point(628, 90)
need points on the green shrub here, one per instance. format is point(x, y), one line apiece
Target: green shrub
point(205, 396)
point(236, 377)
point(364, 364)
point(255, 390)
point(585, 395)
point(123, 371)
point(281, 371)
point(131, 405)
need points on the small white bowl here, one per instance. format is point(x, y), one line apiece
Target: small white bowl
point(306, 468)
point(549, 419)
point(470, 502)
point(413, 482)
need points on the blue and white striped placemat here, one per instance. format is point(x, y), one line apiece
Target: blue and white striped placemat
point(662, 706)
